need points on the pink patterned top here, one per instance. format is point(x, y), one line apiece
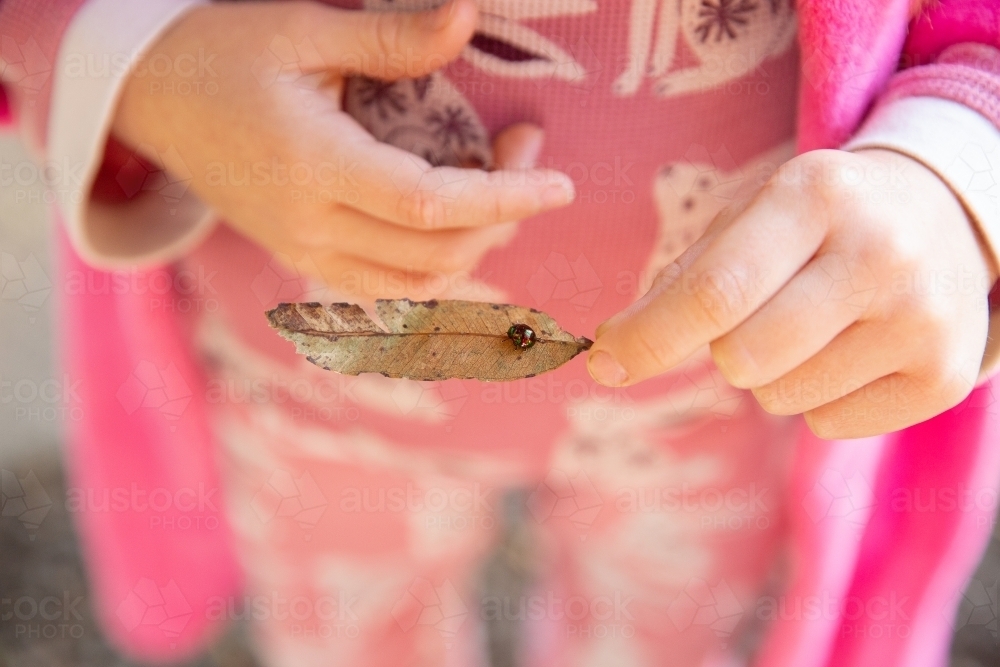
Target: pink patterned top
point(580, 267)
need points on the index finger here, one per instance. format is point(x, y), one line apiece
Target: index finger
point(403, 188)
point(743, 266)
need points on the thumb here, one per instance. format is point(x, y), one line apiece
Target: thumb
point(518, 146)
point(392, 45)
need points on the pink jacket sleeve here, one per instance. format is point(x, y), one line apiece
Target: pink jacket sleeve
point(942, 108)
point(66, 114)
point(967, 73)
point(107, 338)
point(954, 49)
point(869, 550)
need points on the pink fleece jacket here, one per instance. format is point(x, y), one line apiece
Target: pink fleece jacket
point(851, 50)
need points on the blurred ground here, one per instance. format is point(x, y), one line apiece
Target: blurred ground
point(39, 558)
point(48, 566)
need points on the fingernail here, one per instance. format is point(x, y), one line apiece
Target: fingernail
point(606, 370)
point(558, 194)
point(440, 17)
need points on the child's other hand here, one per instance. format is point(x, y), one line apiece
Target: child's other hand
point(851, 288)
point(286, 166)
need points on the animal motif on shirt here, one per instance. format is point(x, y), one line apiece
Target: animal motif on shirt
point(730, 38)
point(691, 192)
point(430, 116)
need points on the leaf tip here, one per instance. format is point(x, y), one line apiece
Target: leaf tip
point(274, 313)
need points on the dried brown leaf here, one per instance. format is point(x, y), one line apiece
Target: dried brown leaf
point(430, 340)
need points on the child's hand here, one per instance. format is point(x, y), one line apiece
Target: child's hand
point(284, 165)
point(851, 288)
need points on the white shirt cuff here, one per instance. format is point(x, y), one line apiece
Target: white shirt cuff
point(99, 50)
point(963, 148)
point(958, 144)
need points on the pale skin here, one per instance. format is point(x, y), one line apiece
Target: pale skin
point(897, 339)
point(822, 294)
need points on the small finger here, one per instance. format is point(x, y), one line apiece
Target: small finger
point(849, 362)
point(887, 404)
point(364, 281)
point(404, 189)
point(448, 250)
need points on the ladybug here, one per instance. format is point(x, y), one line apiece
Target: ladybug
point(522, 335)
